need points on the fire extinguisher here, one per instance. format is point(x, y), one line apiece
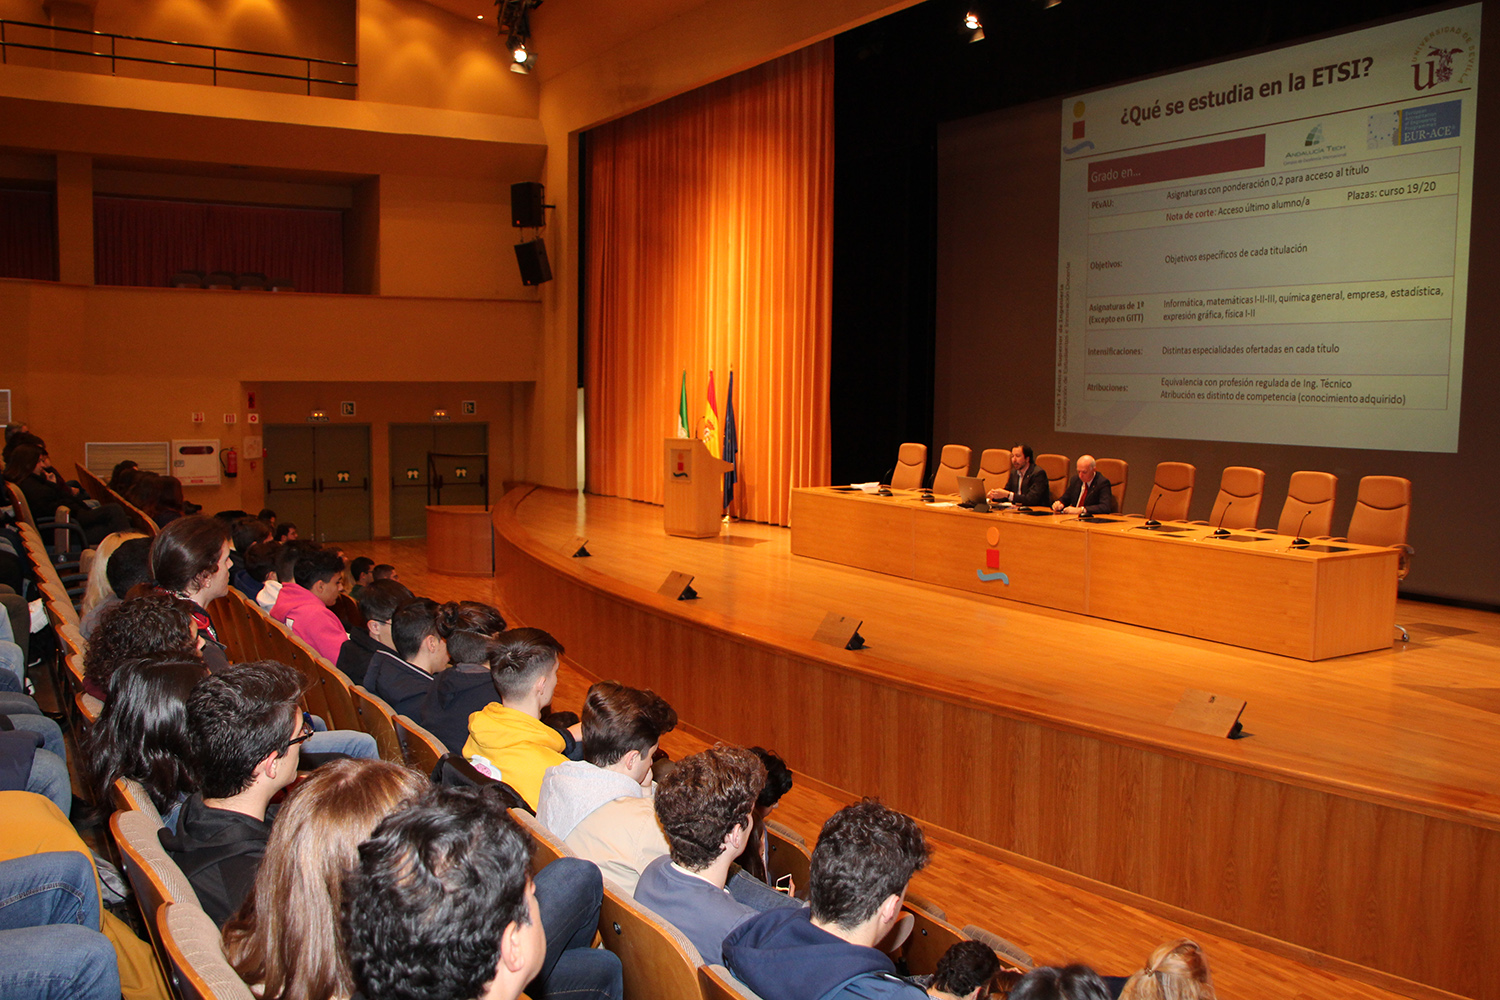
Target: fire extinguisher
point(230, 460)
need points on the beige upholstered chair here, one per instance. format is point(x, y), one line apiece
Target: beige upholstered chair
point(129, 795)
point(1238, 502)
point(1171, 493)
point(377, 718)
point(197, 963)
point(1058, 469)
point(154, 877)
point(1309, 505)
point(1117, 471)
point(911, 467)
point(954, 463)
point(994, 467)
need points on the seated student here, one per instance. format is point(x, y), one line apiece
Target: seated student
point(602, 806)
point(361, 570)
point(385, 571)
point(510, 733)
point(1075, 982)
point(245, 532)
point(260, 566)
point(865, 856)
point(50, 945)
point(97, 589)
point(150, 625)
point(142, 733)
point(190, 558)
point(378, 605)
point(1178, 970)
point(27, 766)
point(703, 806)
point(303, 604)
point(269, 516)
point(404, 679)
point(129, 566)
point(344, 607)
point(440, 908)
point(27, 467)
point(469, 628)
point(757, 854)
point(285, 532)
point(246, 732)
point(964, 972)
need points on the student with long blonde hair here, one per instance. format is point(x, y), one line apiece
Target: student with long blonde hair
point(1177, 970)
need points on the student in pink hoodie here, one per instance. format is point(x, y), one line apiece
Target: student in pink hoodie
point(304, 605)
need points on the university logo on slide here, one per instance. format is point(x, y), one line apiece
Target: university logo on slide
point(1444, 56)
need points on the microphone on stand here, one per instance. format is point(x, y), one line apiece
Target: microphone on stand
point(1221, 531)
point(1151, 521)
point(1299, 541)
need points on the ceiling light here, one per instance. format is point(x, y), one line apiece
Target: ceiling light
point(971, 20)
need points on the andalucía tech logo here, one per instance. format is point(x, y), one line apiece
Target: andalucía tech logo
point(1445, 56)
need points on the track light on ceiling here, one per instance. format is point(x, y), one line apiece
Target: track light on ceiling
point(514, 21)
point(972, 25)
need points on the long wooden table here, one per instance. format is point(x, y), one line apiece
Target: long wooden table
point(1247, 589)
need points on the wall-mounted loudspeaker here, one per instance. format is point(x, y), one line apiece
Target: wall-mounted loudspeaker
point(532, 257)
point(526, 205)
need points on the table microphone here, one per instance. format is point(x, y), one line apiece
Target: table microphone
point(1151, 521)
point(1299, 541)
point(1221, 531)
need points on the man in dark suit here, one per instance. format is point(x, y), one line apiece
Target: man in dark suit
point(1027, 484)
point(1087, 492)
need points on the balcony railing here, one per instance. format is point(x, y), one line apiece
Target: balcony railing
point(130, 50)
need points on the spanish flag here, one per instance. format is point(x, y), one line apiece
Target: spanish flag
point(710, 433)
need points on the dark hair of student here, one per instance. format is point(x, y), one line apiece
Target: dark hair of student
point(1075, 982)
point(237, 717)
point(141, 626)
point(412, 623)
point(360, 566)
point(315, 565)
point(129, 565)
point(186, 550)
point(283, 529)
point(618, 719)
point(378, 602)
point(703, 799)
point(260, 560)
point(468, 627)
point(965, 966)
point(142, 732)
point(246, 531)
point(22, 462)
point(865, 854)
point(383, 571)
point(436, 886)
point(518, 656)
point(123, 475)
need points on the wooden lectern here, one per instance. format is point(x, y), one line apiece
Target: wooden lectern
point(694, 489)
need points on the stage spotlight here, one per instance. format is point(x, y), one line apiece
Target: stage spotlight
point(976, 30)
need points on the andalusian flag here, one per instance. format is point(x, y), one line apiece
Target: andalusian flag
point(682, 413)
point(710, 433)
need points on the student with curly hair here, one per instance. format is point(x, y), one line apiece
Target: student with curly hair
point(151, 625)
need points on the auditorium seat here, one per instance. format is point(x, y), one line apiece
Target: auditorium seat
point(251, 281)
point(1117, 471)
point(423, 750)
point(954, 463)
point(281, 285)
point(1057, 469)
point(1171, 493)
point(1309, 505)
point(187, 279)
point(994, 467)
point(198, 967)
point(377, 718)
point(657, 959)
point(219, 279)
point(911, 467)
point(1238, 502)
point(719, 984)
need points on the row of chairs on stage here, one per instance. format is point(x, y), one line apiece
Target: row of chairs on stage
point(1382, 510)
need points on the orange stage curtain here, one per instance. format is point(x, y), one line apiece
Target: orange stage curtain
point(709, 245)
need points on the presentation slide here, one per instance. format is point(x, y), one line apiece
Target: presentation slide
point(1274, 249)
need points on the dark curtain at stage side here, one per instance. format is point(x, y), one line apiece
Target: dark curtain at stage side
point(139, 241)
point(28, 235)
point(709, 247)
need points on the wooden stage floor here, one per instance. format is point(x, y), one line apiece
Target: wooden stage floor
point(1415, 723)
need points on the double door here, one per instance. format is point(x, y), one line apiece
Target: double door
point(318, 477)
point(457, 473)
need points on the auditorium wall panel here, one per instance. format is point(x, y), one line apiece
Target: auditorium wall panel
point(133, 364)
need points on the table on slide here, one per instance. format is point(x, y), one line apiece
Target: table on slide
point(1244, 588)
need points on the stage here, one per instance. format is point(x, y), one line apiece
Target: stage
point(1356, 827)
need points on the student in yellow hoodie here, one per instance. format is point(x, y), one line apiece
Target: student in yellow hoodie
point(510, 734)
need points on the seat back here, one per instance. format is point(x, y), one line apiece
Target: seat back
point(338, 694)
point(423, 749)
point(95, 487)
point(299, 655)
point(955, 462)
point(718, 983)
point(130, 795)
point(1309, 504)
point(1382, 511)
point(199, 970)
point(658, 961)
point(1117, 471)
point(931, 935)
point(154, 877)
point(1238, 502)
point(994, 467)
point(377, 718)
point(548, 846)
point(787, 854)
point(1172, 492)
point(1056, 468)
point(18, 499)
point(911, 467)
